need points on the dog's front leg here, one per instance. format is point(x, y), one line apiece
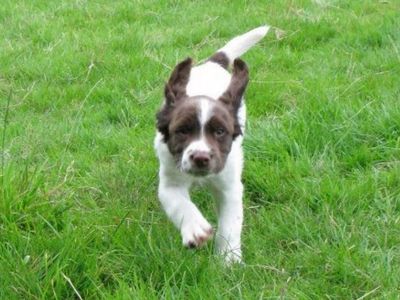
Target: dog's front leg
point(230, 210)
point(194, 228)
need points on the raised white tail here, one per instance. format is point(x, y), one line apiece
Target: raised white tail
point(240, 44)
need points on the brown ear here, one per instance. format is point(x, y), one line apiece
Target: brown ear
point(232, 97)
point(175, 89)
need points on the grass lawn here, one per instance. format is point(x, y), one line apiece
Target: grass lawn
point(80, 82)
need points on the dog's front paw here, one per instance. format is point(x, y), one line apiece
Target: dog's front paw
point(196, 232)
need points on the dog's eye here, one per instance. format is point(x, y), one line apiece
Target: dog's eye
point(219, 132)
point(184, 130)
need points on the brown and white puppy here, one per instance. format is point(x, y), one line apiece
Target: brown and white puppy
point(199, 136)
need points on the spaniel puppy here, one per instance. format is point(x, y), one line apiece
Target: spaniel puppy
point(200, 129)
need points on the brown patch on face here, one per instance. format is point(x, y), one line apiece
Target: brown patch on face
point(221, 59)
point(219, 132)
point(183, 128)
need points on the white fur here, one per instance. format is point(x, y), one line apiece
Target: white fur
point(205, 111)
point(240, 44)
point(208, 79)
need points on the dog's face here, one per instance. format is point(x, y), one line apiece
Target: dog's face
point(199, 130)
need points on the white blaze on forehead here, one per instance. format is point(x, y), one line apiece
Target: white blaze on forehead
point(205, 110)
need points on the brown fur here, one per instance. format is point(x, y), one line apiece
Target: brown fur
point(232, 97)
point(221, 59)
point(183, 128)
point(174, 92)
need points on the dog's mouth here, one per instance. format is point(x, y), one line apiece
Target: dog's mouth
point(199, 172)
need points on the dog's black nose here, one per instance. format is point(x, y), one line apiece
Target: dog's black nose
point(201, 159)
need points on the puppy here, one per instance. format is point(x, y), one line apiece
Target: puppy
point(199, 137)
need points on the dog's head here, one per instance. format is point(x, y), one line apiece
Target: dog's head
point(199, 130)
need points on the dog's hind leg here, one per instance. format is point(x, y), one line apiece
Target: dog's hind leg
point(230, 219)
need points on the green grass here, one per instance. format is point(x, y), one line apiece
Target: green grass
point(80, 82)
